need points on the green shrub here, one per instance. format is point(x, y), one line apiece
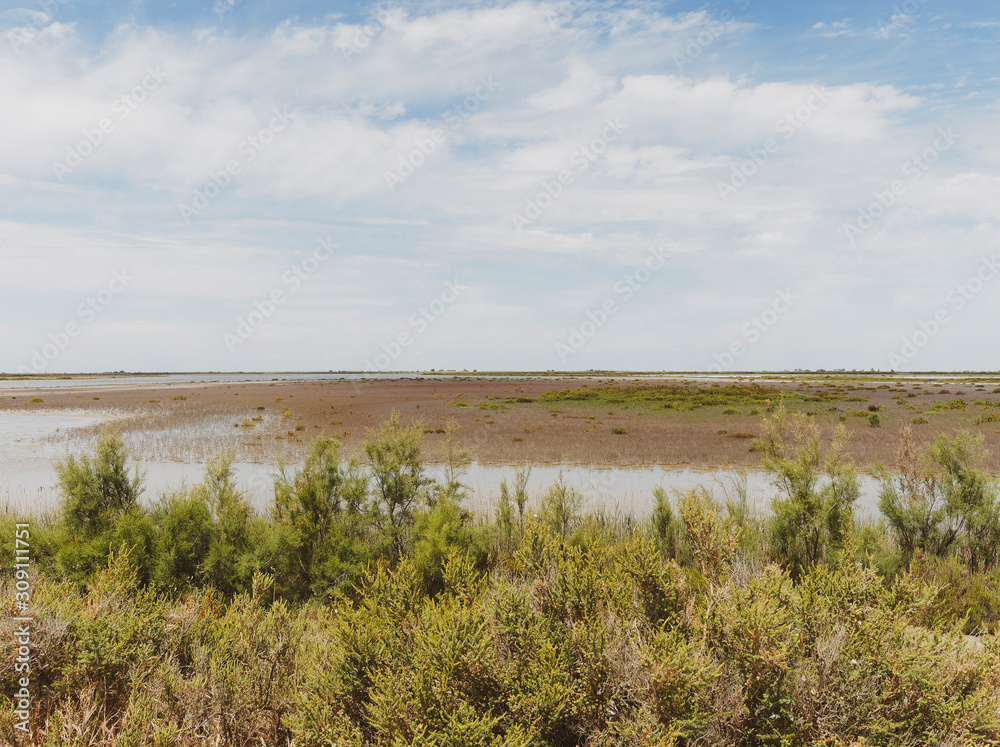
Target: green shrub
point(963, 598)
point(665, 527)
point(237, 533)
point(952, 404)
point(319, 539)
point(712, 538)
point(944, 503)
point(97, 488)
point(810, 521)
point(185, 527)
point(441, 533)
point(578, 629)
point(510, 527)
point(397, 477)
point(100, 513)
point(560, 508)
point(446, 684)
point(749, 628)
point(456, 461)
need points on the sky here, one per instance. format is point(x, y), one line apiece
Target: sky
point(241, 185)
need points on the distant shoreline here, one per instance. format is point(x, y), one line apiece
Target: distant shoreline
point(521, 419)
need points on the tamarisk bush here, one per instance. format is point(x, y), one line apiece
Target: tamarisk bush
point(944, 504)
point(818, 489)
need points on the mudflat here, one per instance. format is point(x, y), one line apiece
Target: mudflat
point(694, 422)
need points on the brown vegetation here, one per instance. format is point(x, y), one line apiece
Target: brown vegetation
point(519, 420)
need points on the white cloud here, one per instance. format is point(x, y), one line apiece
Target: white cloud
point(563, 71)
point(584, 85)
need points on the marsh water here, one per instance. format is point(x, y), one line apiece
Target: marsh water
point(30, 443)
point(187, 378)
point(129, 380)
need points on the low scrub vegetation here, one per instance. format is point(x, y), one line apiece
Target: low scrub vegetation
point(370, 607)
point(685, 397)
point(677, 397)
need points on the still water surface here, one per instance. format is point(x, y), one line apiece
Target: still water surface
point(121, 381)
point(30, 443)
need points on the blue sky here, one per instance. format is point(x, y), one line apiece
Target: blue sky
point(519, 186)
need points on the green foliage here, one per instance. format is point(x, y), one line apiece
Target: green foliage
point(971, 599)
point(750, 628)
point(712, 538)
point(521, 478)
point(444, 687)
point(230, 561)
point(318, 539)
point(186, 527)
point(669, 396)
point(100, 514)
point(560, 508)
point(812, 516)
point(507, 526)
point(952, 404)
point(578, 629)
point(250, 664)
point(397, 476)
point(457, 461)
point(490, 403)
point(509, 511)
point(440, 533)
point(97, 488)
point(944, 503)
point(665, 527)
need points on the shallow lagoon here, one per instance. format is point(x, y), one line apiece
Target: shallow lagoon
point(30, 443)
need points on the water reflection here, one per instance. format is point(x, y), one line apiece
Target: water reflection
point(229, 378)
point(29, 443)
